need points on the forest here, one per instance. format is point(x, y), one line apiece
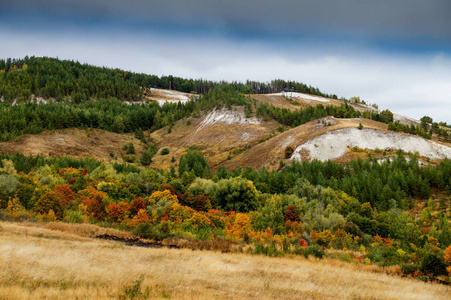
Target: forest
point(307, 209)
point(25, 79)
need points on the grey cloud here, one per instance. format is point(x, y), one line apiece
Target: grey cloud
point(411, 85)
point(407, 19)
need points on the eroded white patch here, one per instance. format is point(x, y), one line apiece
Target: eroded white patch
point(334, 144)
point(228, 117)
point(301, 96)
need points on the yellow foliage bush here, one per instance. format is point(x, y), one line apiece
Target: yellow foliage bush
point(447, 255)
point(178, 213)
point(200, 220)
point(158, 195)
point(240, 227)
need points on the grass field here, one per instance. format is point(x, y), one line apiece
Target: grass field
point(62, 261)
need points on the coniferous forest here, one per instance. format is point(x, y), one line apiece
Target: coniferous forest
point(394, 212)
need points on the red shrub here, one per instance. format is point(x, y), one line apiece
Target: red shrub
point(94, 207)
point(137, 204)
point(291, 214)
point(65, 192)
point(118, 212)
point(302, 243)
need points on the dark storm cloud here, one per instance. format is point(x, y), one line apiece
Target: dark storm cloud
point(392, 19)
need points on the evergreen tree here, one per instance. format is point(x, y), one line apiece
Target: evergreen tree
point(146, 158)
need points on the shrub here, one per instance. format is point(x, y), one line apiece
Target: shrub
point(447, 255)
point(131, 149)
point(409, 269)
point(134, 291)
point(50, 200)
point(74, 216)
point(146, 158)
point(118, 212)
point(66, 194)
point(137, 204)
point(165, 151)
point(314, 250)
point(433, 265)
point(288, 152)
point(130, 158)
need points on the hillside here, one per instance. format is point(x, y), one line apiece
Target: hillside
point(38, 262)
point(215, 166)
point(227, 137)
point(77, 143)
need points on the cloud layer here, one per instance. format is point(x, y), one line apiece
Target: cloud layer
point(405, 19)
point(394, 54)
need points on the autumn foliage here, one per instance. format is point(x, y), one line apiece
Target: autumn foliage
point(50, 200)
point(118, 212)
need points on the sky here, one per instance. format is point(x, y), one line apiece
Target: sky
point(394, 53)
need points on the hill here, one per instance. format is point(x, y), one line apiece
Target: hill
point(38, 262)
point(221, 167)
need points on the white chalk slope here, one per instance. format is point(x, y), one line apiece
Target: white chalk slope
point(228, 117)
point(334, 144)
point(302, 96)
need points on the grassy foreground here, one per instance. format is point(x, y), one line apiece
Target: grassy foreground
point(62, 261)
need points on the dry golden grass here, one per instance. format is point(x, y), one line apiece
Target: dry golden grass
point(52, 264)
point(74, 143)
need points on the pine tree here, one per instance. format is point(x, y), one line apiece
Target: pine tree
point(118, 125)
point(183, 166)
point(146, 158)
point(131, 149)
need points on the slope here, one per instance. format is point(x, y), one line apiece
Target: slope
point(38, 263)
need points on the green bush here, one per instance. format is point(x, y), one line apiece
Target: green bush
point(130, 158)
point(165, 151)
point(433, 265)
point(131, 149)
point(288, 152)
point(409, 269)
point(314, 250)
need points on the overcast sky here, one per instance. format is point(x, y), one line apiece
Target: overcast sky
point(394, 53)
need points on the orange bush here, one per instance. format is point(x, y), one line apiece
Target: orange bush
point(141, 217)
point(314, 235)
point(293, 226)
point(50, 200)
point(65, 192)
point(302, 243)
point(387, 242)
point(447, 255)
point(94, 208)
point(377, 239)
point(119, 211)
